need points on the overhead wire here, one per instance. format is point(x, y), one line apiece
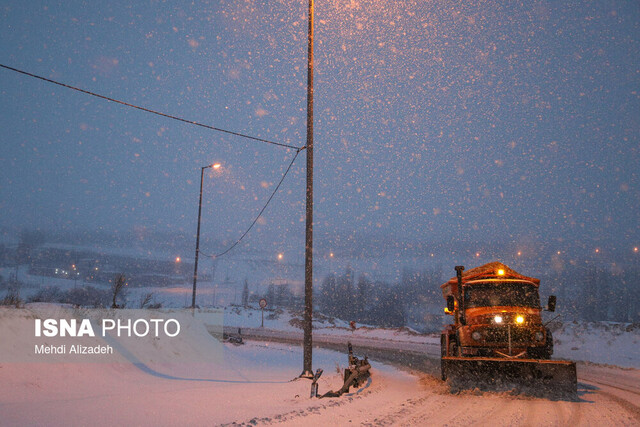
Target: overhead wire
point(298, 149)
point(148, 110)
point(261, 210)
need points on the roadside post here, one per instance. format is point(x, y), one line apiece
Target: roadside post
point(263, 304)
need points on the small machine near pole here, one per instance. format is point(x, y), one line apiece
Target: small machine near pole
point(355, 375)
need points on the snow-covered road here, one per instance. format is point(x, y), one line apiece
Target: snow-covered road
point(607, 395)
point(86, 394)
point(432, 404)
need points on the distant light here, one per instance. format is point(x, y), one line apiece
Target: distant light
point(178, 259)
point(331, 254)
point(498, 319)
point(597, 250)
point(280, 256)
point(519, 253)
point(520, 319)
point(73, 266)
point(558, 252)
point(635, 249)
point(477, 254)
point(500, 272)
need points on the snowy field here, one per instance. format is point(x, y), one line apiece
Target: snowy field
point(195, 380)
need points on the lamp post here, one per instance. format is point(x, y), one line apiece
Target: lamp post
point(307, 370)
point(195, 266)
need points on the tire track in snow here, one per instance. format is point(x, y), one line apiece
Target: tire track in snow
point(628, 407)
point(590, 380)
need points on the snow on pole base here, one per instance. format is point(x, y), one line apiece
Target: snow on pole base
point(530, 376)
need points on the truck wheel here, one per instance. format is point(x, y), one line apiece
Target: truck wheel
point(454, 349)
point(544, 352)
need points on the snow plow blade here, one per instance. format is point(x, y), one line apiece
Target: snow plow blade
point(531, 376)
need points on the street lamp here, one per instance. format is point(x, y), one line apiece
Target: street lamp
point(195, 266)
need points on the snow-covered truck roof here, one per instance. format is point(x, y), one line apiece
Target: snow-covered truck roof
point(491, 270)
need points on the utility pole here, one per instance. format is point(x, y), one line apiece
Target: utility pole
point(307, 370)
point(195, 265)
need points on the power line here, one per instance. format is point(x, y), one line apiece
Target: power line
point(298, 149)
point(261, 210)
point(149, 110)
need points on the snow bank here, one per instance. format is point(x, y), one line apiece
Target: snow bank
point(154, 381)
point(599, 342)
point(18, 329)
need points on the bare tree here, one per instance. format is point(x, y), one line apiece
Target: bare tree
point(118, 291)
point(11, 299)
point(146, 301)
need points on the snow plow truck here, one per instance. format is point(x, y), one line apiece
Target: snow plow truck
point(498, 337)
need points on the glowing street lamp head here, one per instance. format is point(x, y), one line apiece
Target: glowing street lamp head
point(215, 166)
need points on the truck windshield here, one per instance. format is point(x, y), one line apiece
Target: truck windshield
point(494, 294)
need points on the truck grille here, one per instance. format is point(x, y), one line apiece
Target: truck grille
point(501, 335)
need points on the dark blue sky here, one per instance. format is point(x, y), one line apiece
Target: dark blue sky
point(434, 120)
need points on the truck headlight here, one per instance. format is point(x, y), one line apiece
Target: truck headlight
point(498, 319)
point(539, 336)
point(476, 335)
